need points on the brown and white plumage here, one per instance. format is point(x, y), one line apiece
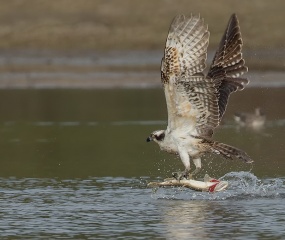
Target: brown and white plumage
point(195, 102)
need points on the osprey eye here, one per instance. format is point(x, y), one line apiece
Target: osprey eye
point(160, 137)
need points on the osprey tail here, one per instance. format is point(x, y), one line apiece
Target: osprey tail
point(228, 151)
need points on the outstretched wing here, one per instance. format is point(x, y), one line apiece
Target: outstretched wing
point(191, 98)
point(228, 65)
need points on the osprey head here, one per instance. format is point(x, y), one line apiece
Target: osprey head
point(156, 136)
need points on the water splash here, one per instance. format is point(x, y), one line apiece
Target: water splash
point(246, 183)
point(242, 185)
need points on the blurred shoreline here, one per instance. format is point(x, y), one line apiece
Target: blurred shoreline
point(115, 69)
point(119, 44)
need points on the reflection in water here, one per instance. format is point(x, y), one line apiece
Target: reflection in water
point(196, 215)
point(185, 220)
point(111, 208)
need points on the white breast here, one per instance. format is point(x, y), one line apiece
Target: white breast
point(176, 139)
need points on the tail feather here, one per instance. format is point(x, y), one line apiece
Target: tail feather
point(229, 152)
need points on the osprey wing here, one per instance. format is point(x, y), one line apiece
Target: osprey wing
point(228, 65)
point(191, 98)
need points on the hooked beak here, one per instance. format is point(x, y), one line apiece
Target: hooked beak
point(149, 139)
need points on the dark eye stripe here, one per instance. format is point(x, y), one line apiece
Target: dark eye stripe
point(160, 137)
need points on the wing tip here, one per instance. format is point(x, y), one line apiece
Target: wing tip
point(182, 17)
point(229, 53)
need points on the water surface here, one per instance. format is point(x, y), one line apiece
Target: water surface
point(75, 164)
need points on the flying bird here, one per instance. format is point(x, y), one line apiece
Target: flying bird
point(196, 102)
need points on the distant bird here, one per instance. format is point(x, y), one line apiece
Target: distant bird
point(255, 121)
point(196, 103)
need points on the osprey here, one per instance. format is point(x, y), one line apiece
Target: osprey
point(196, 102)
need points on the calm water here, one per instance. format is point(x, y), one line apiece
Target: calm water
point(75, 164)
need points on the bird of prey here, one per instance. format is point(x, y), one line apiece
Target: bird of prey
point(196, 102)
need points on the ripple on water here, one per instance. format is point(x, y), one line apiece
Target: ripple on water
point(90, 207)
point(123, 207)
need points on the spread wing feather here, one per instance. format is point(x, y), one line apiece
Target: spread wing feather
point(201, 94)
point(186, 46)
point(191, 98)
point(228, 65)
point(196, 103)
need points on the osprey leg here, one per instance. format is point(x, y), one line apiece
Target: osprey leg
point(197, 162)
point(186, 173)
point(186, 162)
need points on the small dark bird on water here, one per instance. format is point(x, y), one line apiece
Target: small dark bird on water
point(255, 121)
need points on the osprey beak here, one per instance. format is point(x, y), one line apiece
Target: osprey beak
point(149, 139)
